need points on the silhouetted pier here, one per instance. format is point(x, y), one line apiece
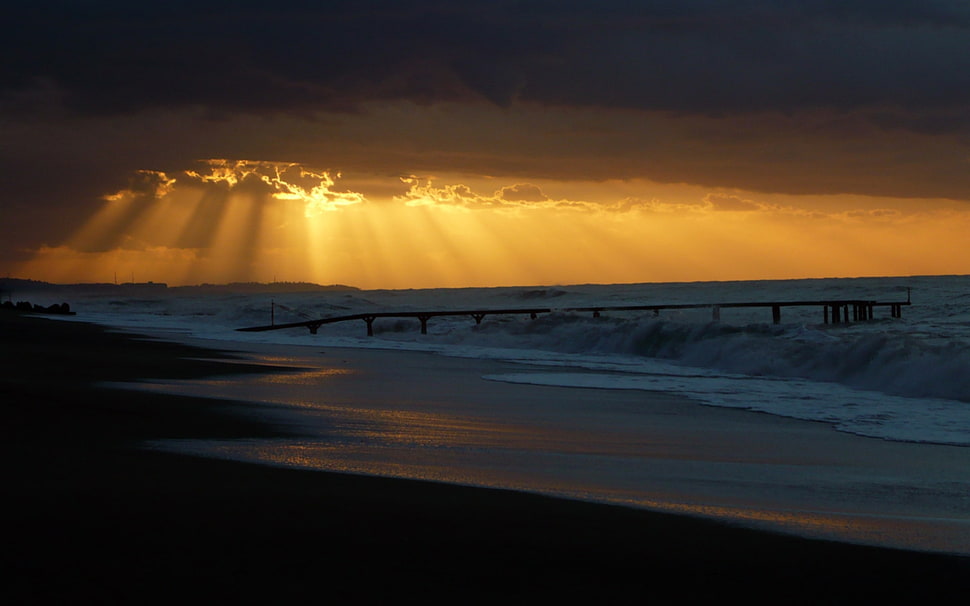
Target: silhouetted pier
point(839, 311)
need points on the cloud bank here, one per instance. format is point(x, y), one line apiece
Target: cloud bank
point(809, 97)
point(694, 55)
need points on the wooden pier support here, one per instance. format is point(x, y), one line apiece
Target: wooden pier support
point(370, 325)
point(776, 314)
point(862, 312)
point(840, 313)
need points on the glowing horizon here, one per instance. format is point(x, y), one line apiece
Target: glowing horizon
point(433, 144)
point(253, 221)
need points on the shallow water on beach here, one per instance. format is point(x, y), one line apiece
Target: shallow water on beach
point(855, 431)
point(429, 417)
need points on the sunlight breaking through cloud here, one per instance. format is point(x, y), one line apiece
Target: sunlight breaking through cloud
point(243, 220)
point(153, 183)
point(424, 192)
point(283, 181)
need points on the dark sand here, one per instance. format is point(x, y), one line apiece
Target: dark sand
point(90, 516)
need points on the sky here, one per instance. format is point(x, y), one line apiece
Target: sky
point(420, 144)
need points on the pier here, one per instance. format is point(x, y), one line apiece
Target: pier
point(840, 311)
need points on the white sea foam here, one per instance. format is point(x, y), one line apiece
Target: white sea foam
point(896, 378)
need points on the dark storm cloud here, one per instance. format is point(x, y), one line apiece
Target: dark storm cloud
point(702, 56)
point(822, 96)
point(252, 56)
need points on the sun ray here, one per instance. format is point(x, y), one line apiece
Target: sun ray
point(320, 255)
point(102, 231)
point(248, 220)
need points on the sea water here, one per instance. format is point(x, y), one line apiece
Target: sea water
point(902, 383)
point(905, 379)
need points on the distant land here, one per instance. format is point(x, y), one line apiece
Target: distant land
point(10, 287)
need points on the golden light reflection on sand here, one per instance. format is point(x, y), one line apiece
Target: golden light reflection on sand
point(303, 377)
point(358, 456)
point(907, 530)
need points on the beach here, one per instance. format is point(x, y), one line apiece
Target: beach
point(96, 515)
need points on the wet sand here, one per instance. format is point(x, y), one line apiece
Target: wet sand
point(432, 417)
point(94, 516)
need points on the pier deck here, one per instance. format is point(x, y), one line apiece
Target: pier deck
point(838, 311)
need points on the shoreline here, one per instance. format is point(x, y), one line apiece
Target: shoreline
point(426, 416)
point(99, 517)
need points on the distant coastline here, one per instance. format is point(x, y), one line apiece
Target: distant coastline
point(9, 287)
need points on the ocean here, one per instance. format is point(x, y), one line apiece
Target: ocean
point(900, 379)
point(886, 385)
